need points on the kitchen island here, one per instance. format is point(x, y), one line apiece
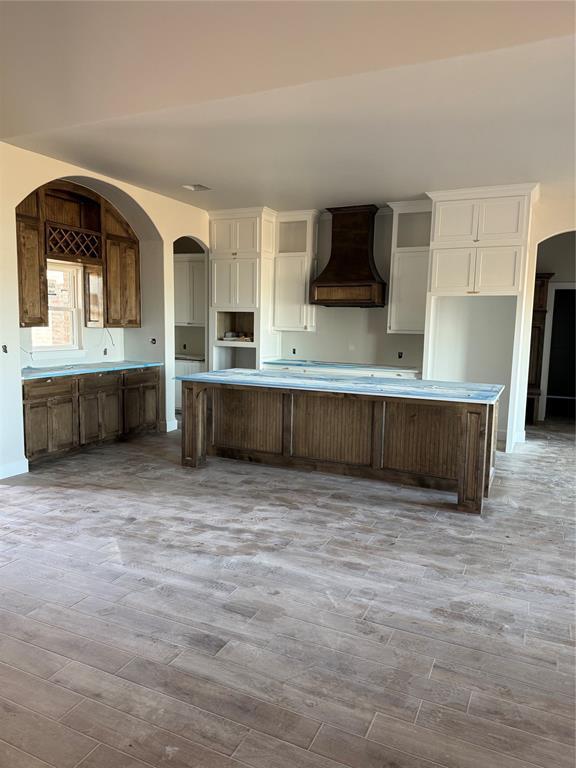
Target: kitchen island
point(426, 433)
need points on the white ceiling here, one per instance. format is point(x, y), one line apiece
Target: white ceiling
point(294, 105)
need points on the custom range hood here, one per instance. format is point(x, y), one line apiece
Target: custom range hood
point(350, 279)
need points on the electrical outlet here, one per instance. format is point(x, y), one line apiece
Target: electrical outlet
point(105, 351)
point(293, 351)
point(400, 355)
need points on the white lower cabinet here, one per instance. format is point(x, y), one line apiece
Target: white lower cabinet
point(408, 286)
point(487, 271)
point(185, 368)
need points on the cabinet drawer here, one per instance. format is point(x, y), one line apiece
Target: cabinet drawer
point(96, 381)
point(40, 389)
point(138, 377)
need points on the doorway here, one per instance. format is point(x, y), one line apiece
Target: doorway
point(561, 390)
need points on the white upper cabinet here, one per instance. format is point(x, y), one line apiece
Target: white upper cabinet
point(502, 219)
point(484, 221)
point(234, 235)
point(487, 271)
point(293, 268)
point(455, 221)
point(498, 270)
point(290, 293)
point(408, 281)
point(235, 283)
point(189, 291)
point(246, 277)
point(452, 270)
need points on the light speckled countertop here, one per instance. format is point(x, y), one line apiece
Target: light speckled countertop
point(78, 368)
point(417, 389)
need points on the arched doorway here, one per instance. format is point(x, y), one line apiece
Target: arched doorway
point(551, 381)
point(190, 309)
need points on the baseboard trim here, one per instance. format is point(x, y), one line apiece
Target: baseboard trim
point(13, 469)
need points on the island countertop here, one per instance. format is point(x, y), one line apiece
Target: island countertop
point(77, 369)
point(416, 389)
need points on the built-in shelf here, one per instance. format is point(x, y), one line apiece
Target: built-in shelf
point(230, 343)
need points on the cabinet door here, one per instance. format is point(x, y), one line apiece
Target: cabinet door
point(452, 270)
point(182, 368)
point(408, 285)
point(223, 282)
point(247, 235)
point(122, 284)
point(290, 291)
point(455, 221)
point(501, 219)
point(182, 293)
point(132, 409)
point(246, 279)
point(498, 270)
point(149, 406)
point(110, 413)
point(197, 272)
point(224, 238)
point(89, 418)
point(32, 281)
point(63, 428)
point(36, 428)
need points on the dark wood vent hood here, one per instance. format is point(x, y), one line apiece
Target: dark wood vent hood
point(350, 279)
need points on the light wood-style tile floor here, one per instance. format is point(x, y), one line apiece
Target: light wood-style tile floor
point(238, 615)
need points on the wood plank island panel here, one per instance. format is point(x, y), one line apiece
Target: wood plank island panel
point(445, 443)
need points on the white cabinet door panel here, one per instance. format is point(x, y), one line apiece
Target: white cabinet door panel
point(223, 282)
point(224, 236)
point(455, 221)
point(501, 218)
point(408, 285)
point(181, 293)
point(290, 286)
point(181, 369)
point(198, 292)
point(498, 269)
point(246, 235)
point(452, 270)
point(246, 282)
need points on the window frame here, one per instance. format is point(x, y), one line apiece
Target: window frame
point(76, 282)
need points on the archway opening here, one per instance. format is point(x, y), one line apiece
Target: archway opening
point(551, 377)
point(190, 309)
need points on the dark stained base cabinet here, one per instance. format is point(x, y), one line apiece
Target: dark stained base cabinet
point(445, 445)
point(67, 412)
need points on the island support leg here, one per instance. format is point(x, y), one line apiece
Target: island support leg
point(194, 424)
point(473, 464)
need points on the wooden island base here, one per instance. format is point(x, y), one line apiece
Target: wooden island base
point(430, 443)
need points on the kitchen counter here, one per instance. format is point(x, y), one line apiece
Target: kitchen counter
point(344, 369)
point(435, 434)
point(415, 389)
point(80, 368)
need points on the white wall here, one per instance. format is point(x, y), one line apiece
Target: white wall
point(94, 342)
point(477, 342)
point(352, 334)
point(157, 220)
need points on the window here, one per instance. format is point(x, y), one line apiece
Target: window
point(64, 326)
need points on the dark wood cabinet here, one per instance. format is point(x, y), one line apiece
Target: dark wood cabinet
point(63, 413)
point(68, 222)
point(141, 400)
point(122, 284)
point(32, 279)
point(51, 425)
